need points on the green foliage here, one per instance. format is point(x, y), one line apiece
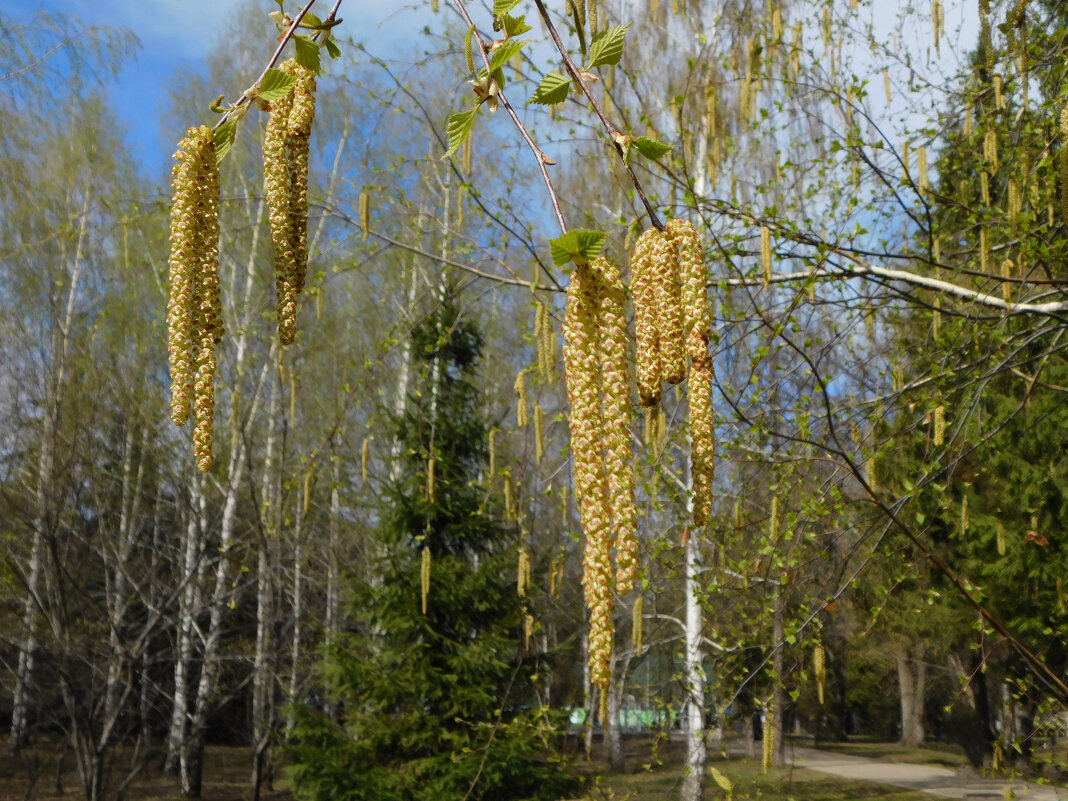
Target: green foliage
point(554, 88)
point(607, 47)
point(578, 246)
point(275, 85)
point(459, 128)
point(435, 704)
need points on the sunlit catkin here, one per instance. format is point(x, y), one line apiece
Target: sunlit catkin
point(984, 187)
point(522, 580)
point(999, 97)
point(702, 429)
point(984, 250)
point(424, 576)
point(365, 214)
point(939, 425)
point(669, 312)
point(693, 278)
point(1001, 539)
point(521, 399)
point(528, 630)
point(886, 84)
point(765, 255)
point(582, 371)
point(187, 242)
point(616, 419)
point(430, 464)
point(637, 618)
point(539, 433)
point(921, 168)
point(207, 312)
point(279, 197)
point(990, 149)
point(365, 452)
point(298, 142)
point(819, 669)
point(964, 517)
point(1006, 278)
point(646, 329)
point(769, 740)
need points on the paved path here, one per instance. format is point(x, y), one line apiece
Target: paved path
point(940, 782)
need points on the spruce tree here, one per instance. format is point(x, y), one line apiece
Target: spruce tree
point(435, 704)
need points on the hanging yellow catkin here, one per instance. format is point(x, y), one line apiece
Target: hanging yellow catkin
point(298, 151)
point(509, 511)
point(365, 214)
point(984, 251)
point(936, 317)
point(773, 519)
point(552, 579)
point(769, 740)
point(1064, 162)
point(539, 433)
point(521, 398)
point(424, 576)
point(582, 371)
point(646, 329)
point(886, 84)
point(964, 517)
point(765, 255)
point(492, 453)
point(969, 121)
point(1015, 200)
point(990, 149)
point(921, 167)
point(1006, 276)
point(528, 630)
point(999, 98)
point(869, 472)
point(522, 574)
point(279, 201)
point(637, 619)
point(430, 463)
point(819, 668)
point(616, 419)
point(365, 452)
point(984, 184)
point(939, 425)
point(307, 494)
point(1001, 539)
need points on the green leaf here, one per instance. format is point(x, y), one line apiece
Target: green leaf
point(578, 246)
point(514, 26)
point(650, 148)
point(224, 139)
point(607, 46)
point(275, 85)
point(554, 88)
point(458, 129)
point(502, 7)
point(307, 53)
point(332, 48)
point(504, 52)
point(311, 20)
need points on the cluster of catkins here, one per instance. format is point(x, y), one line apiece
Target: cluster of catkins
point(194, 308)
point(595, 362)
point(672, 322)
point(285, 159)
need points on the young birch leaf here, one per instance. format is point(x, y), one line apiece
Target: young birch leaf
point(310, 20)
point(459, 128)
point(554, 88)
point(332, 48)
point(504, 52)
point(514, 26)
point(607, 46)
point(224, 139)
point(578, 246)
point(650, 148)
point(307, 53)
point(275, 85)
point(501, 7)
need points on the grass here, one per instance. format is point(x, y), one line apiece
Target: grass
point(941, 755)
point(651, 782)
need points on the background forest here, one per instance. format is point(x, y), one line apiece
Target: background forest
point(882, 194)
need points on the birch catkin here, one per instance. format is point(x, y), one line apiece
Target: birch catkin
point(581, 364)
point(298, 141)
point(424, 576)
point(819, 668)
point(765, 255)
point(194, 309)
point(646, 333)
point(619, 472)
point(279, 194)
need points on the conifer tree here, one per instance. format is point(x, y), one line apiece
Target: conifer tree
point(432, 679)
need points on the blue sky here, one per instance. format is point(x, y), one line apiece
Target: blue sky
point(172, 39)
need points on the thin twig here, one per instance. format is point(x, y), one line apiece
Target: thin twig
point(539, 154)
point(248, 94)
point(613, 132)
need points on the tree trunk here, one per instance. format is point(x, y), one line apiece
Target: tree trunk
point(696, 766)
point(911, 679)
point(778, 702)
point(613, 734)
